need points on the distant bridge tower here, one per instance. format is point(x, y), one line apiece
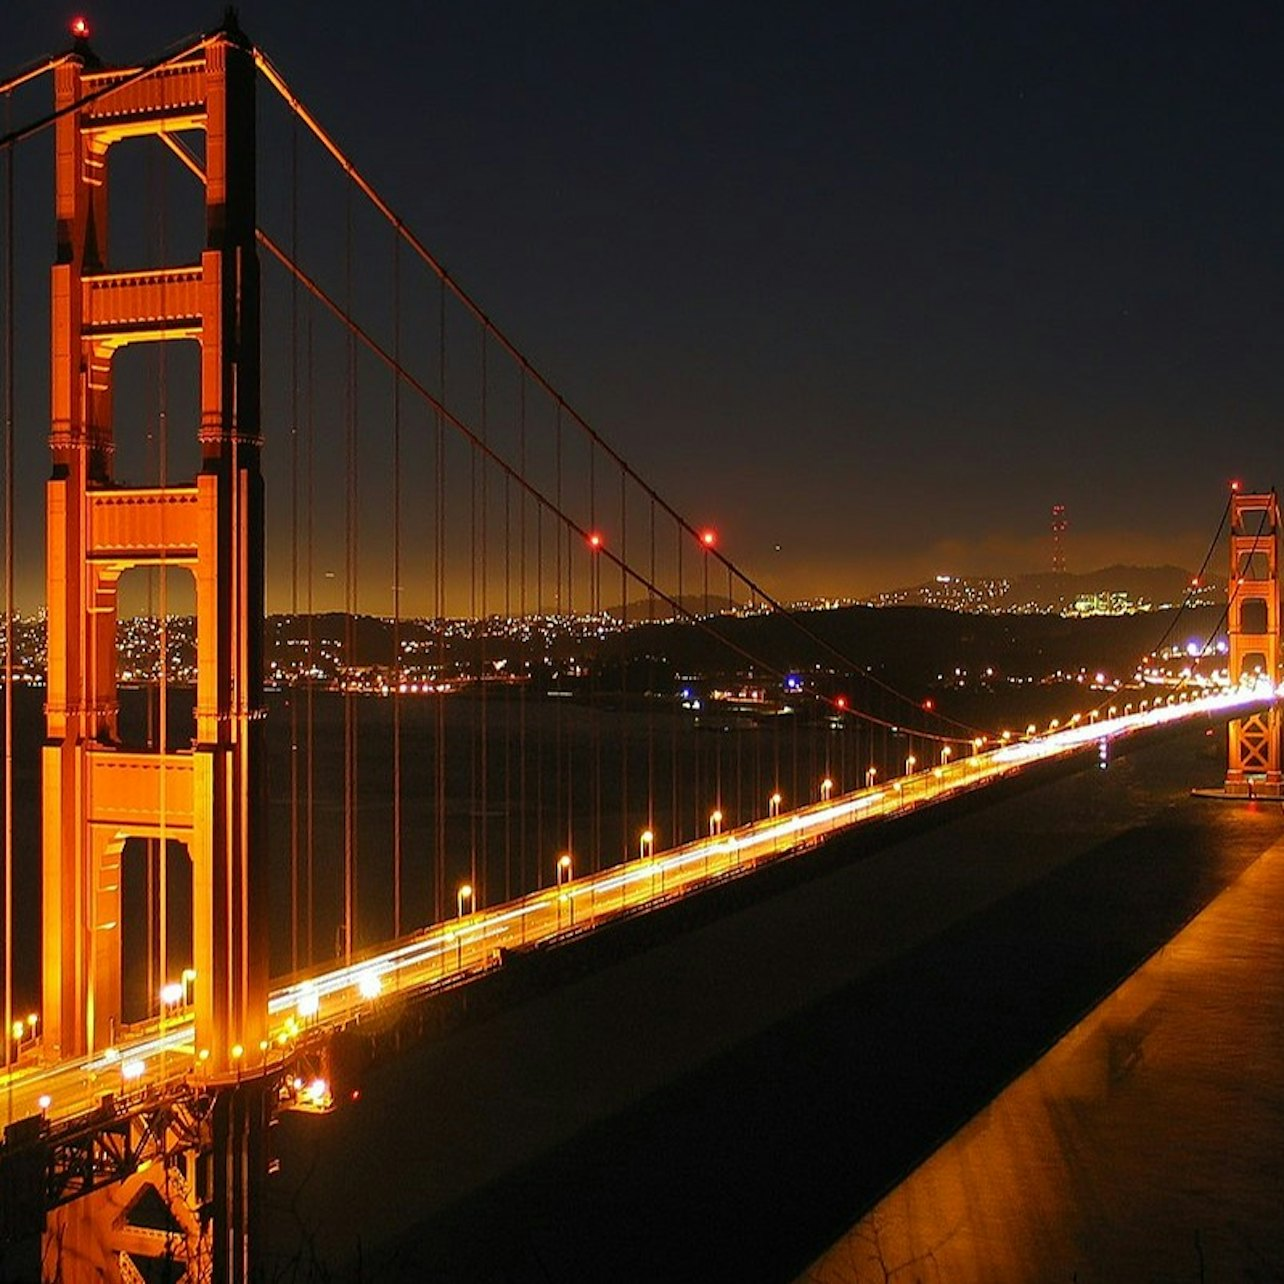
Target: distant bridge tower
point(1253, 768)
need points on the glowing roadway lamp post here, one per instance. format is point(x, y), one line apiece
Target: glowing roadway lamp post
point(646, 849)
point(946, 751)
point(171, 996)
point(826, 789)
point(463, 897)
point(715, 828)
point(565, 866)
point(870, 773)
point(773, 805)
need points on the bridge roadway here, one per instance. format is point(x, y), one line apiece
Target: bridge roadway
point(303, 1010)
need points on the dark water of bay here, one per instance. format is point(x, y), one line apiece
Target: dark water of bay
point(522, 778)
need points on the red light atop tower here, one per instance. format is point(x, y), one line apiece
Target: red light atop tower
point(1234, 486)
point(80, 28)
point(708, 538)
point(840, 702)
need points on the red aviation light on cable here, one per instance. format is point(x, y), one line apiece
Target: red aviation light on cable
point(80, 28)
point(594, 540)
point(708, 538)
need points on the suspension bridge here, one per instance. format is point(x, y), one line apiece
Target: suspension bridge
point(462, 737)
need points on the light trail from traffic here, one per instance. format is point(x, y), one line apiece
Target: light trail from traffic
point(304, 1009)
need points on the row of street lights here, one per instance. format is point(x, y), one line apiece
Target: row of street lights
point(564, 866)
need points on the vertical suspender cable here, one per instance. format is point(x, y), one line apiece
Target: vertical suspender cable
point(396, 590)
point(151, 845)
point(594, 660)
point(9, 375)
point(474, 784)
point(293, 687)
point(508, 704)
point(309, 707)
point(439, 574)
point(560, 766)
point(480, 889)
point(162, 889)
point(349, 622)
point(651, 693)
point(678, 827)
point(624, 672)
point(521, 608)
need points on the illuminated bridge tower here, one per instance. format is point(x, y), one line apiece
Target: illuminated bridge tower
point(208, 795)
point(1254, 628)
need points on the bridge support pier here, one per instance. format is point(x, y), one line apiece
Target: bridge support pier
point(239, 1161)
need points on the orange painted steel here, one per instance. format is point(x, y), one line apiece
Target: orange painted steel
point(1253, 627)
point(96, 794)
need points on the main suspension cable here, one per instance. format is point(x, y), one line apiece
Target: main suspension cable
point(278, 82)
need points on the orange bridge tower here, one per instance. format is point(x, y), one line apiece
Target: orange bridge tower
point(208, 795)
point(1253, 769)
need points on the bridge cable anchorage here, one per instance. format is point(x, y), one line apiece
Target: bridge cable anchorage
point(281, 86)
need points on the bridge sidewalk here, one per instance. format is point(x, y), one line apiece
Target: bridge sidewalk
point(1145, 1145)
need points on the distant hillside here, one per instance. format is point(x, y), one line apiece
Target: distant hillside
point(914, 644)
point(659, 609)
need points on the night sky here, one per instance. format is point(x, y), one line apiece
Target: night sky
point(877, 285)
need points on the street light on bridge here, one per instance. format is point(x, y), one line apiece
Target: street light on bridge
point(564, 866)
point(646, 844)
point(773, 804)
point(910, 762)
point(715, 822)
point(870, 773)
point(826, 788)
point(464, 895)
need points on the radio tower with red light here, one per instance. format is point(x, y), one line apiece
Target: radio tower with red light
point(1060, 524)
